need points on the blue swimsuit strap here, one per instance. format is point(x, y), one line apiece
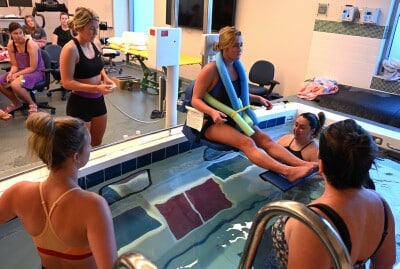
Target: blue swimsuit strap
point(244, 100)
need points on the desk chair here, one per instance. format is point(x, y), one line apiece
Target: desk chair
point(40, 87)
point(54, 52)
point(109, 55)
point(261, 77)
point(213, 150)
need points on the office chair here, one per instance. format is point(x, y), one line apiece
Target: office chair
point(54, 52)
point(40, 87)
point(110, 66)
point(213, 150)
point(261, 77)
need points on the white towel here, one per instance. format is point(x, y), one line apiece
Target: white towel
point(391, 69)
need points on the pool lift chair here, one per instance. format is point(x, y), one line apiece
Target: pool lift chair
point(213, 150)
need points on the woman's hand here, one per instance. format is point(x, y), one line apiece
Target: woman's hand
point(265, 103)
point(11, 77)
point(106, 88)
point(218, 117)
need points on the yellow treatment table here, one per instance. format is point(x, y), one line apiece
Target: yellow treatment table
point(150, 79)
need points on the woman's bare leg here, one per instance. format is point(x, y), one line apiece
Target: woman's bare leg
point(10, 95)
point(21, 92)
point(97, 129)
point(225, 134)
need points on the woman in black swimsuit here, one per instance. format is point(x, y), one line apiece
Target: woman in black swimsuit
point(301, 143)
point(362, 217)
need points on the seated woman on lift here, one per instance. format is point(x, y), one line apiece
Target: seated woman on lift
point(221, 89)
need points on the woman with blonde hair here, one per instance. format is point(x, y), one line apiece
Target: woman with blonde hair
point(226, 82)
point(82, 72)
point(71, 227)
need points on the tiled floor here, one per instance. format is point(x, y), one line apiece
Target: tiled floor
point(128, 112)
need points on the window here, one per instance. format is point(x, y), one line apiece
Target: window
point(394, 51)
point(393, 44)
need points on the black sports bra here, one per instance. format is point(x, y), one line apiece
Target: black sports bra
point(88, 68)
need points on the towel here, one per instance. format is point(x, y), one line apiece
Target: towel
point(316, 87)
point(391, 69)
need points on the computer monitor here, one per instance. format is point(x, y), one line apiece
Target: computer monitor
point(20, 3)
point(3, 3)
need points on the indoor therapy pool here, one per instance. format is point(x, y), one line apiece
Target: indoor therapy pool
point(181, 211)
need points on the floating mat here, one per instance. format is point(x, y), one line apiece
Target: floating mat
point(208, 199)
point(132, 224)
point(227, 168)
point(187, 211)
point(281, 182)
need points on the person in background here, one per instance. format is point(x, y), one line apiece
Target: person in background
point(26, 70)
point(259, 148)
point(361, 216)
point(53, 215)
point(301, 143)
point(82, 72)
point(32, 29)
point(62, 33)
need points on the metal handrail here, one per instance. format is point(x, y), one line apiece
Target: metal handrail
point(133, 260)
point(321, 227)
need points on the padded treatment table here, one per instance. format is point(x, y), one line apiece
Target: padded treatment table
point(376, 106)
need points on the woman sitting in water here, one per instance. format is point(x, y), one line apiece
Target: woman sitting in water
point(361, 216)
point(301, 143)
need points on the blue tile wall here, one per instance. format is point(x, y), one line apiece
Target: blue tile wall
point(147, 159)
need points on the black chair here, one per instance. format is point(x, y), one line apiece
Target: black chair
point(108, 56)
point(261, 77)
point(213, 150)
point(41, 86)
point(54, 52)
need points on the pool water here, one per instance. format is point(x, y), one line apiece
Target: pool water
point(219, 241)
point(196, 213)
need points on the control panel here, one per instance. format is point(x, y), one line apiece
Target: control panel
point(370, 15)
point(349, 13)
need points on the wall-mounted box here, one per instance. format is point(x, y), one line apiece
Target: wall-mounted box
point(349, 13)
point(370, 15)
point(164, 45)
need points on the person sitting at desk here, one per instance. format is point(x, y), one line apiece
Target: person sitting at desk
point(62, 33)
point(37, 33)
point(26, 69)
point(220, 84)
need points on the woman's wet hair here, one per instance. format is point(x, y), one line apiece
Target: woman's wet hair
point(316, 122)
point(227, 38)
point(347, 153)
point(54, 140)
point(81, 18)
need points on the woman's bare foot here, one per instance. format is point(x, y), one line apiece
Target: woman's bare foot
point(296, 172)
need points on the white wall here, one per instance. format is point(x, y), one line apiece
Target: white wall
point(282, 32)
point(278, 31)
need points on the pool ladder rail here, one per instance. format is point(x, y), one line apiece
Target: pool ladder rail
point(321, 227)
point(133, 260)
